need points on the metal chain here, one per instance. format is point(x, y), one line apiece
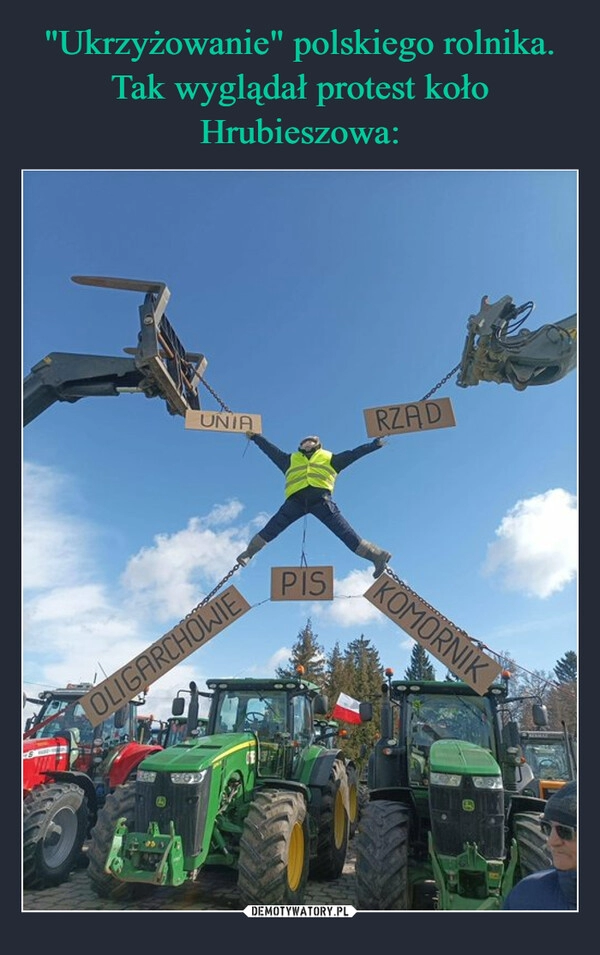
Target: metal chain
point(440, 383)
point(213, 591)
point(303, 561)
point(403, 584)
point(389, 571)
point(424, 398)
point(215, 395)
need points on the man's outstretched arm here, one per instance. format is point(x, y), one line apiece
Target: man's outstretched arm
point(345, 458)
point(279, 458)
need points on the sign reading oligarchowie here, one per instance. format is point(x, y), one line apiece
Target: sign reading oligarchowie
point(434, 632)
point(192, 632)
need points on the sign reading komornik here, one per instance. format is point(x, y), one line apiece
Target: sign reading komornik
point(193, 632)
point(434, 632)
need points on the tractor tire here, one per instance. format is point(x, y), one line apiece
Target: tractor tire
point(55, 823)
point(363, 798)
point(353, 800)
point(531, 842)
point(274, 850)
point(333, 828)
point(382, 857)
point(121, 802)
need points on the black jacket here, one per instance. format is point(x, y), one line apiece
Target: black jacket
point(338, 461)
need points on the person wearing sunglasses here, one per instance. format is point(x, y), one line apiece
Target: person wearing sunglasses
point(554, 888)
point(310, 475)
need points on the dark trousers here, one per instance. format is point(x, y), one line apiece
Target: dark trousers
point(320, 506)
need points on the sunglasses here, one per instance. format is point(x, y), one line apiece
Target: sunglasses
point(567, 833)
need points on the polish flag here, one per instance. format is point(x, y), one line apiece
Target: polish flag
point(346, 709)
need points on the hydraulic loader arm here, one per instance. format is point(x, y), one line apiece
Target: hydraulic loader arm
point(528, 358)
point(160, 366)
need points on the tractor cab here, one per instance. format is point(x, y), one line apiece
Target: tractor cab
point(61, 715)
point(280, 713)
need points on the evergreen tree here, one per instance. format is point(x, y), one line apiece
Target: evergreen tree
point(308, 653)
point(566, 668)
point(362, 669)
point(450, 678)
point(420, 666)
point(357, 673)
point(337, 678)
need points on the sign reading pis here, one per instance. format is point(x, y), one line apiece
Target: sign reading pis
point(301, 583)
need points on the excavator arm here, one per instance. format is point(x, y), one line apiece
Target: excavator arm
point(493, 353)
point(160, 366)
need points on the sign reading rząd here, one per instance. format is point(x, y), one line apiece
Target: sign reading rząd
point(406, 419)
point(193, 632)
point(434, 632)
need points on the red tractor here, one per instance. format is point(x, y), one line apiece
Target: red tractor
point(69, 767)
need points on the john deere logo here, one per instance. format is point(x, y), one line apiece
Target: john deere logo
point(468, 805)
point(161, 802)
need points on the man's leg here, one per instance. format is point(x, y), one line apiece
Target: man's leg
point(329, 514)
point(289, 512)
point(327, 511)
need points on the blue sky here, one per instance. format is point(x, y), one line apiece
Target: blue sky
point(314, 295)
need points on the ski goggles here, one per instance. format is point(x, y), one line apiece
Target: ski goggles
point(566, 833)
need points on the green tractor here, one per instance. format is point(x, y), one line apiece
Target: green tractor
point(256, 794)
point(448, 825)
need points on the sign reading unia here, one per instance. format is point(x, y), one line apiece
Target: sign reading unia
point(193, 632)
point(231, 421)
point(434, 632)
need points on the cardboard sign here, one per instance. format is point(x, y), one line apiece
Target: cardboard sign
point(193, 632)
point(434, 632)
point(301, 583)
point(236, 422)
point(405, 419)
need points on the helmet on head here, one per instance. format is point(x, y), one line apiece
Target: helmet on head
point(315, 443)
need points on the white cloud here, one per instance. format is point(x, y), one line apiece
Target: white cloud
point(55, 545)
point(174, 572)
point(536, 549)
point(79, 628)
point(280, 658)
point(349, 608)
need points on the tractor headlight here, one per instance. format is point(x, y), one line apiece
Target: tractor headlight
point(445, 779)
point(487, 782)
point(145, 776)
point(188, 779)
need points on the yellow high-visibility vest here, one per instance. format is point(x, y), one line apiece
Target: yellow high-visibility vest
point(315, 471)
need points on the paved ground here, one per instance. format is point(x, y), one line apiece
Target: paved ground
point(215, 890)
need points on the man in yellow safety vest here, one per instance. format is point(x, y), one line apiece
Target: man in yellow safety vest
point(310, 475)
